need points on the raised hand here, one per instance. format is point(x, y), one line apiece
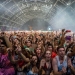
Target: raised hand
point(69, 63)
point(9, 49)
point(63, 70)
point(19, 49)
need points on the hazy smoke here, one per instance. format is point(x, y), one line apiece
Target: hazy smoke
point(36, 24)
point(64, 19)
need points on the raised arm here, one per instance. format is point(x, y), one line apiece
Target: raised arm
point(62, 38)
point(11, 57)
point(9, 44)
point(71, 66)
point(22, 55)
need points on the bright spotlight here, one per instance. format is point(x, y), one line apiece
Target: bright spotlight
point(49, 28)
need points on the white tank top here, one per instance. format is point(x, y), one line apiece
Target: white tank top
point(64, 64)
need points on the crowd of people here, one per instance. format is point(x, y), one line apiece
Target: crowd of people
point(34, 53)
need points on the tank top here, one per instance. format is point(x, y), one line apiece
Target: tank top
point(64, 64)
point(47, 70)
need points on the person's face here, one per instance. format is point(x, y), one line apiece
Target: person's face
point(39, 43)
point(38, 50)
point(28, 43)
point(50, 48)
point(67, 42)
point(15, 41)
point(48, 55)
point(31, 37)
point(61, 52)
point(38, 37)
point(39, 46)
point(34, 59)
point(2, 48)
point(41, 37)
point(56, 42)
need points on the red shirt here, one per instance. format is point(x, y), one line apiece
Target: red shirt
point(53, 54)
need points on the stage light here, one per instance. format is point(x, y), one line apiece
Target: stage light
point(49, 28)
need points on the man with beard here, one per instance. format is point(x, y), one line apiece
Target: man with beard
point(61, 62)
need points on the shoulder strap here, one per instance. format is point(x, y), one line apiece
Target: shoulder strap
point(57, 58)
point(65, 58)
